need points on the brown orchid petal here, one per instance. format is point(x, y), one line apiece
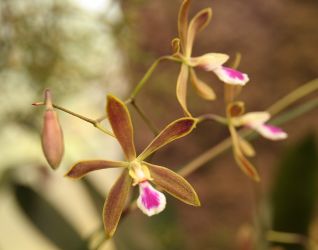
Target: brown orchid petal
point(198, 23)
point(181, 88)
point(175, 45)
point(120, 121)
point(203, 90)
point(208, 61)
point(246, 166)
point(115, 203)
point(173, 131)
point(174, 184)
point(183, 22)
point(246, 147)
point(83, 167)
point(235, 109)
point(240, 159)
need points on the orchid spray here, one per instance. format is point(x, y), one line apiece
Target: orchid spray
point(154, 181)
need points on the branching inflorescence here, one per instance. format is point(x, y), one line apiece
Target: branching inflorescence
point(136, 169)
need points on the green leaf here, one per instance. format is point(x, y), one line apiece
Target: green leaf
point(47, 219)
point(294, 193)
point(174, 184)
point(83, 167)
point(120, 121)
point(115, 203)
point(173, 131)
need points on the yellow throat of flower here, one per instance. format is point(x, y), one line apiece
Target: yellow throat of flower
point(139, 172)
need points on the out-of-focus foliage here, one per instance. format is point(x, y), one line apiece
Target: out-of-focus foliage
point(294, 195)
point(64, 46)
point(39, 210)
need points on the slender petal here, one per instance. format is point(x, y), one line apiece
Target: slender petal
point(183, 22)
point(120, 121)
point(246, 166)
point(231, 76)
point(174, 184)
point(209, 61)
point(240, 159)
point(251, 119)
point(181, 88)
point(115, 203)
point(246, 147)
point(173, 131)
point(271, 132)
point(203, 90)
point(150, 200)
point(83, 167)
point(198, 23)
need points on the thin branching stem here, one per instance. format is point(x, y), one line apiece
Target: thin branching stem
point(144, 117)
point(95, 123)
point(294, 96)
point(149, 72)
point(212, 117)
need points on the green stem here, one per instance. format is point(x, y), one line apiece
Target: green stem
point(213, 117)
point(205, 157)
point(294, 96)
point(149, 73)
point(95, 123)
point(151, 126)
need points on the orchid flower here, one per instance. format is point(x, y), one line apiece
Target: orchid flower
point(210, 62)
point(255, 121)
point(136, 170)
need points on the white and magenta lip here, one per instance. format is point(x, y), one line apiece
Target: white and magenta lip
point(150, 200)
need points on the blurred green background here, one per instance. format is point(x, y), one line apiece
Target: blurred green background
point(83, 49)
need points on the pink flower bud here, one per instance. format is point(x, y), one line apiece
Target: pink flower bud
point(52, 135)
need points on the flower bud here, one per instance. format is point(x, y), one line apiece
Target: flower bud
point(52, 135)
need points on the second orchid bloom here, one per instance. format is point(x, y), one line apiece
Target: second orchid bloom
point(182, 47)
point(136, 170)
point(253, 120)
